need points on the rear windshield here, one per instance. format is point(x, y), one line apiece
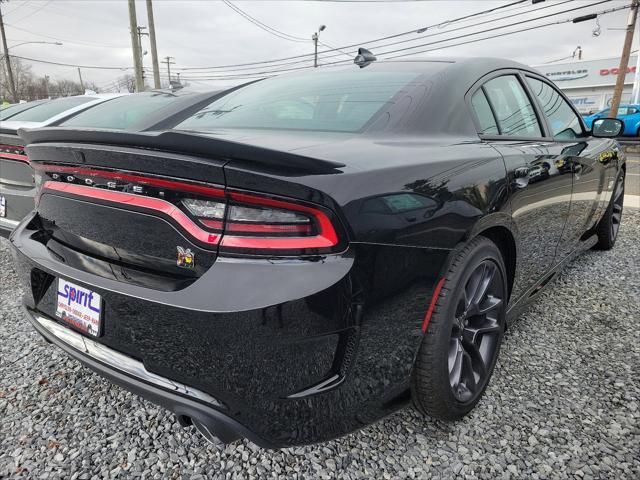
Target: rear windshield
point(50, 109)
point(342, 101)
point(122, 112)
point(15, 108)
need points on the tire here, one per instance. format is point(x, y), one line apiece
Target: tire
point(609, 225)
point(439, 361)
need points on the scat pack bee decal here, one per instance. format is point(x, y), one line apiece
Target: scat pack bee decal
point(186, 258)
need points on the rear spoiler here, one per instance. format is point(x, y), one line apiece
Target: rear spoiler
point(183, 142)
point(10, 138)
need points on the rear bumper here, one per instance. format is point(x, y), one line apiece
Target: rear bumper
point(7, 226)
point(283, 352)
point(185, 402)
point(19, 202)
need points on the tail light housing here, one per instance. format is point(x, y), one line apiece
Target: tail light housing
point(13, 152)
point(234, 221)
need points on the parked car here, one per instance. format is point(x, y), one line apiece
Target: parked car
point(629, 114)
point(12, 109)
point(313, 251)
point(16, 175)
point(121, 112)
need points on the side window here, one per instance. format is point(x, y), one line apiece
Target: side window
point(484, 114)
point(563, 120)
point(514, 112)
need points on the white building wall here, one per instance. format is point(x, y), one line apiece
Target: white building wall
point(589, 84)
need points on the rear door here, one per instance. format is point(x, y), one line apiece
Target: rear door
point(572, 148)
point(507, 118)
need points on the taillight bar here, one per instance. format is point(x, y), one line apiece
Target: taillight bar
point(11, 155)
point(147, 203)
point(237, 236)
point(132, 177)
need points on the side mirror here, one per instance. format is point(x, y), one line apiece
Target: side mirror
point(607, 127)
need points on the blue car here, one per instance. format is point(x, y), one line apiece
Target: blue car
point(629, 114)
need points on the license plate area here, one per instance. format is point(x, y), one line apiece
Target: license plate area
point(3, 206)
point(79, 307)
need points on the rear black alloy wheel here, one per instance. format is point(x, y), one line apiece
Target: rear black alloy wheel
point(461, 345)
point(475, 331)
point(609, 225)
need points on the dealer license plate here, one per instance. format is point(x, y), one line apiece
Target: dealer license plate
point(79, 307)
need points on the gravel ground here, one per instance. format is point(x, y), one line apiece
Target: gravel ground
point(563, 403)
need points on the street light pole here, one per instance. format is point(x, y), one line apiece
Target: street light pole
point(315, 38)
point(12, 85)
point(624, 60)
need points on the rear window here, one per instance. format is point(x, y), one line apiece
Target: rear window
point(50, 109)
point(122, 112)
point(15, 108)
point(330, 101)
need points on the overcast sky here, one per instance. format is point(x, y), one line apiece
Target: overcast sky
point(210, 33)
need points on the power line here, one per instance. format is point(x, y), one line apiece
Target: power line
point(310, 55)
point(343, 62)
point(263, 26)
point(274, 71)
point(212, 76)
point(604, 12)
point(342, 52)
point(500, 27)
point(70, 64)
point(32, 13)
point(15, 8)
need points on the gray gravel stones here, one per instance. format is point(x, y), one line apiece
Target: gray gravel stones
point(563, 403)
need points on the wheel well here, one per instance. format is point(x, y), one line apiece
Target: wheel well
point(503, 238)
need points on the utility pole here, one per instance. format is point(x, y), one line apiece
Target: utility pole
point(152, 41)
point(46, 85)
point(624, 60)
point(12, 85)
point(81, 83)
point(168, 61)
point(135, 46)
point(141, 34)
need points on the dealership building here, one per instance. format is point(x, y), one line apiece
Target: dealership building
point(589, 84)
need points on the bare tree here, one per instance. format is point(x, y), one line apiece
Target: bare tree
point(127, 82)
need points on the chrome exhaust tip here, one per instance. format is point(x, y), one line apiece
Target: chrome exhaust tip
point(204, 431)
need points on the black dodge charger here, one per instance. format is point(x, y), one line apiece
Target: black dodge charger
point(311, 252)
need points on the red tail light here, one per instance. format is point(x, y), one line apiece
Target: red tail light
point(237, 222)
point(260, 223)
point(13, 152)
